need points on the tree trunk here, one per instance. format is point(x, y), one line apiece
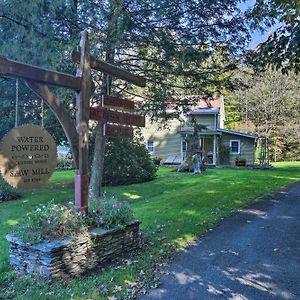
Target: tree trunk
point(97, 165)
point(99, 150)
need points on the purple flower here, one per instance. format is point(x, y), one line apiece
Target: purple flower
point(115, 206)
point(101, 221)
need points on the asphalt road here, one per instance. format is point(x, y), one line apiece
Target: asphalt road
point(254, 254)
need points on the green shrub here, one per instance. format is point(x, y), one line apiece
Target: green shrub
point(7, 192)
point(224, 152)
point(127, 161)
point(65, 164)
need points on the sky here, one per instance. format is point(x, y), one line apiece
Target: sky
point(257, 36)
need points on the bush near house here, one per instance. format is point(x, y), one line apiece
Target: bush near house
point(65, 164)
point(127, 161)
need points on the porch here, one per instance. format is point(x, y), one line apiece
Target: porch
point(208, 143)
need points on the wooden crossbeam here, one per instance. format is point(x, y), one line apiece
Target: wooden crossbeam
point(110, 69)
point(110, 116)
point(117, 103)
point(13, 68)
point(118, 131)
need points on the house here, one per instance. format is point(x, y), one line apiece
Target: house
point(170, 144)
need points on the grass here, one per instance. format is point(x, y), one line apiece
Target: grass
point(174, 208)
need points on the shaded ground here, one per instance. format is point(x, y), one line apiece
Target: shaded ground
point(254, 254)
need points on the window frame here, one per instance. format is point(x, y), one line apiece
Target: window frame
point(183, 146)
point(239, 146)
point(150, 148)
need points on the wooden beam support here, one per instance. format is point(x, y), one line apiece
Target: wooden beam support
point(110, 116)
point(13, 68)
point(82, 121)
point(117, 103)
point(111, 70)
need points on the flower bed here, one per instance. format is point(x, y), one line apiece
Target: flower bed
point(75, 255)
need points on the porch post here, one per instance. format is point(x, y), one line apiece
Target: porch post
point(215, 150)
point(181, 148)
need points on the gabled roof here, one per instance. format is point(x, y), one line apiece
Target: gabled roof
point(198, 102)
point(247, 135)
point(195, 102)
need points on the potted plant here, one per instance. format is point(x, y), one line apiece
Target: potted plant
point(240, 162)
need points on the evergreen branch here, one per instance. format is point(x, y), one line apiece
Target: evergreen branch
point(15, 21)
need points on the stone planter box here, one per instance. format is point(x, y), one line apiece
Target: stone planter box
point(73, 256)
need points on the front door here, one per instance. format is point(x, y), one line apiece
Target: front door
point(208, 144)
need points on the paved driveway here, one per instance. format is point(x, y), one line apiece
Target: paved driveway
point(254, 254)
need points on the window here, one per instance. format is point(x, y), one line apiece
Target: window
point(235, 146)
point(183, 145)
point(150, 146)
point(183, 149)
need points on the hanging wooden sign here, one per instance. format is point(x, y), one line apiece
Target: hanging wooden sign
point(118, 131)
point(27, 156)
point(117, 103)
point(110, 116)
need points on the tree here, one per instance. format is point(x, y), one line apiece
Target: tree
point(270, 108)
point(282, 48)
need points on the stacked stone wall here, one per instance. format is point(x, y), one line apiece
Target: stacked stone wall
point(73, 256)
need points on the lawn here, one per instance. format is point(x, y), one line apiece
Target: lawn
point(175, 209)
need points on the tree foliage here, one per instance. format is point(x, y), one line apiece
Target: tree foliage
point(282, 47)
point(270, 108)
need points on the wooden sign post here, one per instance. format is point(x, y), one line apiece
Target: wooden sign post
point(38, 80)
